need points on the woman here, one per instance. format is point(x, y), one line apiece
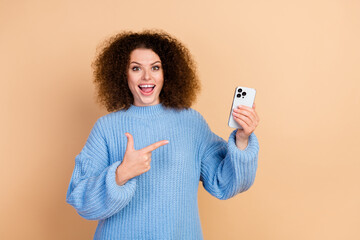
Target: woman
point(139, 170)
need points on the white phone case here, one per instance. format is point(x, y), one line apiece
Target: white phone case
point(243, 96)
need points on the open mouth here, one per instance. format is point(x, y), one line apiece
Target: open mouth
point(147, 89)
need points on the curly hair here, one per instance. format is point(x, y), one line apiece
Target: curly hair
point(181, 83)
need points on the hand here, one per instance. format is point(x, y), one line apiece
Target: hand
point(248, 119)
point(135, 162)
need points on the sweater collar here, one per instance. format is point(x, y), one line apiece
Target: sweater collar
point(146, 111)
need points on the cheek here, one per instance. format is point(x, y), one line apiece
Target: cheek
point(160, 77)
point(132, 88)
point(131, 81)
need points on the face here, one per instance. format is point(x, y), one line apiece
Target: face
point(145, 77)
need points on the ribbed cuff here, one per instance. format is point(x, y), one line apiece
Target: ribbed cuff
point(121, 194)
point(248, 153)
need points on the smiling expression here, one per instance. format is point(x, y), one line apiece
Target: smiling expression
point(145, 77)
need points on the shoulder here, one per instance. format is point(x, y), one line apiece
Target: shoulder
point(198, 116)
point(190, 113)
point(195, 117)
point(107, 120)
point(112, 117)
point(194, 113)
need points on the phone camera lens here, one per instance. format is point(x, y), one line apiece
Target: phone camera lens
point(244, 93)
point(239, 95)
point(239, 90)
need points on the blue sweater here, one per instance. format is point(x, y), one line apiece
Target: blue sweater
point(161, 203)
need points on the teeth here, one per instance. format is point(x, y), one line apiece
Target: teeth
point(146, 85)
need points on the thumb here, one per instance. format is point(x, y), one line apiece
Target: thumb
point(130, 142)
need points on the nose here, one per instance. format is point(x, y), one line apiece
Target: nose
point(146, 75)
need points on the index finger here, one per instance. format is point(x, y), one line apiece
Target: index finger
point(246, 108)
point(251, 110)
point(154, 146)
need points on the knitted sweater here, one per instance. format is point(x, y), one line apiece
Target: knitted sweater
point(161, 203)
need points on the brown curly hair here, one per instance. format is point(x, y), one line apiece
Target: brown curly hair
point(181, 83)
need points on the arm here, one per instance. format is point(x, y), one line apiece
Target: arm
point(93, 190)
point(225, 169)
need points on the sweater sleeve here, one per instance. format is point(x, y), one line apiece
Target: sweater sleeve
point(93, 190)
point(225, 169)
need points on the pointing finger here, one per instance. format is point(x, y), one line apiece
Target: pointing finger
point(245, 107)
point(154, 146)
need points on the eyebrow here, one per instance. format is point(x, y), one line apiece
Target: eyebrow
point(150, 64)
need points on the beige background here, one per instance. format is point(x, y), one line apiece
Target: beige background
point(302, 57)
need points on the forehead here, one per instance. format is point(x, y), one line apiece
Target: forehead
point(144, 55)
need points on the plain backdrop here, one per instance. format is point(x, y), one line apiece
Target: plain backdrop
point(302, 57)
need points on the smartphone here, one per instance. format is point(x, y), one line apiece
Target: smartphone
point(243, 96)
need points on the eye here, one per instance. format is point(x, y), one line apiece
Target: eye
point(155, 67)
point(135, 68)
